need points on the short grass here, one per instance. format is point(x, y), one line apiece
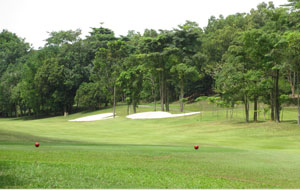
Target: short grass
point(124, 153)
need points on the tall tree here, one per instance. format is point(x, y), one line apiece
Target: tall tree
point(13, 51)
point(108, 65)
point(184, 54)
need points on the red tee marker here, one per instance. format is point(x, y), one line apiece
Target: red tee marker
point(37, 144)
point(196, 147)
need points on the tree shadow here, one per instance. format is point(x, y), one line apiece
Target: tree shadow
point(250, 122)
point(294, 122)
point(30, 118)
point(12, 137)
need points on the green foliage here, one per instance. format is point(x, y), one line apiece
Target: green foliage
point(108, 64)
point(63, 37)
point(213, 100)
point(201, 98)
point(90, 95)
point(241, 57)
point(12, 49)
point(130, 80)
point(184, 100)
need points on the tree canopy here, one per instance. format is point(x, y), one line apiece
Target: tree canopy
point(244, 57)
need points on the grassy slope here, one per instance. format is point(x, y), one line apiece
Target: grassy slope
point(123, 153)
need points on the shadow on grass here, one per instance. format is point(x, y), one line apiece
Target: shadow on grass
point(12, 137)
point(250, 122)
point(8, 181)
point(30, 118)
point(294, 122)
point(17, 138)
point(45, 116)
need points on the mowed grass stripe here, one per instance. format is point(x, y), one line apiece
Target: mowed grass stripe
point(124, 153)
point(207, 168)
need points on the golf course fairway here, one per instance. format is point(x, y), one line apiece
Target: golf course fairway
point(158, 153)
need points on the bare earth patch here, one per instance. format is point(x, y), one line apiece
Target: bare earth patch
point(157, 115)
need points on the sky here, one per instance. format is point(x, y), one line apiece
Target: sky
point(34, 19)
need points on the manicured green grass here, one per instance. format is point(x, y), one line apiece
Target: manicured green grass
point(124, 153)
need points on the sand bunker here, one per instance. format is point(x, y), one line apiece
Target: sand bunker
point(157, 115)
point(95, 117)
point(144, 115)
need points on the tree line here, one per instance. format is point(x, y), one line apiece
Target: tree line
point(249, 58)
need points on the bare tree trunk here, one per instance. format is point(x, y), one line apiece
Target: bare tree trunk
point(21, 111)
point(264, 112)
point(227, 113)
point(134, 107)
point(128, 109)
point(153, 95)
point(292, 80)
point(154, 104)
point(77, 105)
point(65, 111)
point(246, 102)
point(167, 97)
point(293, 87)
point(277, 103)
point(272, 106)
point(255, 109)
point(298, 109)
point(16, 110)
point(231, 116)
point(181, 95)
point(298, 97)
point(153, 91)
point(114, 104)
point(161, 88)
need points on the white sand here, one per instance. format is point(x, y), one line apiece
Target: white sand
point(144, 115)
point(95, 117)
point(157, 115)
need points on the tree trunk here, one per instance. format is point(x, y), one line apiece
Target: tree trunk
point(227, 113)
point(21, 111)
point(272, 105)
point(128, 109)
point(16, 110)
point(246, 102)
point(65, 111)
point(167, 98)
point(255, 109)
point(232, 109)
point(298, 97)
point(153, 91)
point(277, 103)
point(134, 107)
point(154, 104)
point(181, 95)
point(292, 80)
point(264, 111)
point(153, 95)
point(77, 105)
point(161, 88)
point(114, 104)
point(298, 109)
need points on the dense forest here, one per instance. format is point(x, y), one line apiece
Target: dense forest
point(243, 58)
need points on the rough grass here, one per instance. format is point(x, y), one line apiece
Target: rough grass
point(124, 153)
